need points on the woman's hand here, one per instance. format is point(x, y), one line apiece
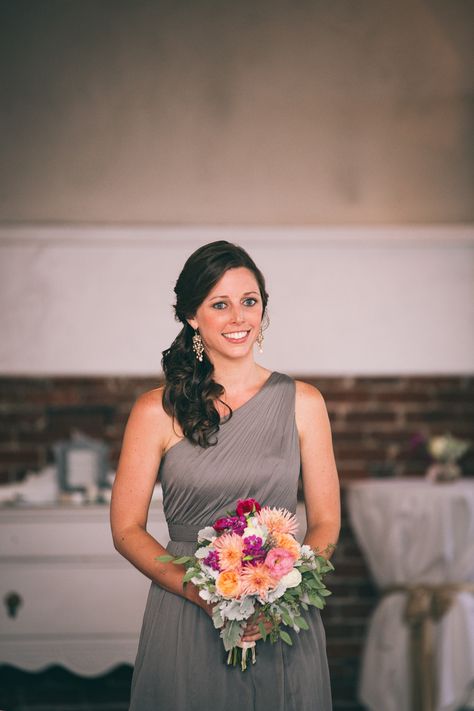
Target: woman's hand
point(192, 594)
point(252, 632)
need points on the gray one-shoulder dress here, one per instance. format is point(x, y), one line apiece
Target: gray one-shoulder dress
point(181, 662)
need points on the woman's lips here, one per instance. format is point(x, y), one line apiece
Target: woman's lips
point(231, 336)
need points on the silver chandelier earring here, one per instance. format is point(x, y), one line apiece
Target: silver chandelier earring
point(259, 340)
point(198, 347)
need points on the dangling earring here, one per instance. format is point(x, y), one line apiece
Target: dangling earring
point(198, 347)
point(259, 340)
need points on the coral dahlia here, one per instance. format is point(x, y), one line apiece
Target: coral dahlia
point(278, 520)
point(257, 580)
point(230, 549)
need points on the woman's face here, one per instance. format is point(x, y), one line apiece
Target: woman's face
point(229, 317)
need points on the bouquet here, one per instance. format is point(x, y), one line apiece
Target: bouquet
point(446, 448)
point(249, 563)
point(444, 451)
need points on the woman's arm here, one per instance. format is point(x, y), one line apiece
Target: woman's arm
point(146, 434)
point(319, 473)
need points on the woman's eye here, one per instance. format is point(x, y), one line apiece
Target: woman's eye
point(219, 305)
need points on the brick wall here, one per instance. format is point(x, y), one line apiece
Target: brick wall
point(372, 422)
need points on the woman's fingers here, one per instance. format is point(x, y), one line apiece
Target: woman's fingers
point(253, 622)
point(252, 630)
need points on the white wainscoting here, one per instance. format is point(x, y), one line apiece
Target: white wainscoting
point(344, 301)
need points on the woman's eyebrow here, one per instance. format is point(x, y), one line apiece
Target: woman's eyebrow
point(225, 296)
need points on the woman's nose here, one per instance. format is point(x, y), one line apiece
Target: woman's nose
point(237, 313)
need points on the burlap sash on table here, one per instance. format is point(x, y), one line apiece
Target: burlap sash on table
point(425, 605)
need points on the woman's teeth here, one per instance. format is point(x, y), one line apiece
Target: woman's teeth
point(236, 336)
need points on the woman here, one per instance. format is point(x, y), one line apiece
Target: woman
point(222, 428)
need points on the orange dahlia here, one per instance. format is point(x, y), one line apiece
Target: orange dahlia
point(286, 541)
point(278, 520)
point(230, 549)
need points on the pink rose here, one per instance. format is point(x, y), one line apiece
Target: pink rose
point(279, 561)
point(247, 506)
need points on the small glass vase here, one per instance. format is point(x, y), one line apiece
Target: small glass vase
point(443, 472)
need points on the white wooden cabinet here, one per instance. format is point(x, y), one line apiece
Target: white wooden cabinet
point(81, 603)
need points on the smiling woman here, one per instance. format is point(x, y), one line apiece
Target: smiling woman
point(280, 427)
point(221, 301)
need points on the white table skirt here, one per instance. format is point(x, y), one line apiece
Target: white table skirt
point(412, 531)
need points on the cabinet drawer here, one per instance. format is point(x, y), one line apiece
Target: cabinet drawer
point(65, 533)
point(73, 600)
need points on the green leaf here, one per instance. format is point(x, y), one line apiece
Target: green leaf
point(315, 599)
point(231, 634)
point(318, 603)
point(286, 637)
point(183, 559)
point(217, 619)
point(263, 631)
point(188, 575)
point(164, 558)
point(301, 622)
point(325, 592)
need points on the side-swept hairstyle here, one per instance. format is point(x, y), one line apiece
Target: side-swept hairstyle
point(189, 389)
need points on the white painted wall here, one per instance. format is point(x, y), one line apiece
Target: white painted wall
point(343, 300)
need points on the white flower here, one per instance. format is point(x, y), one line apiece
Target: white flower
point(209, 572)
point(437, 447)
point(276, 593)
point(291, 579)
point(306, 550)
point(206, 534)
point(256, 530)
point(205, 594)
point(203, 551)
point(447, 448)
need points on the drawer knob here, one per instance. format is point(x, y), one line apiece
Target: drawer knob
point(12, 602)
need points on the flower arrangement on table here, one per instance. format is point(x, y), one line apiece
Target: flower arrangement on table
point(444, 452)
point(249, 562)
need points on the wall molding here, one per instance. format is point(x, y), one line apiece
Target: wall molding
point(281, 237)
point(344, 300)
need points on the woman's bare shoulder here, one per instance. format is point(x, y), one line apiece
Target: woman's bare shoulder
point(148, 408)
point(307, 395)
point(310, 408)
point(150, 403)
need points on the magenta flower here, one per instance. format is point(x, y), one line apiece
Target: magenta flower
point(247, 506)
point(222, 524)
point(235, 524)
point(253, 546)
point(212, 560)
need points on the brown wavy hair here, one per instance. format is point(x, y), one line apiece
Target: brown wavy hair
point(189, 389)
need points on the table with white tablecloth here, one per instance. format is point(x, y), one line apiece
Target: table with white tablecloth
point(420, 535)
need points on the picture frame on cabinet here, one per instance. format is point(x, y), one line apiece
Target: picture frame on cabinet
point(81, 463)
